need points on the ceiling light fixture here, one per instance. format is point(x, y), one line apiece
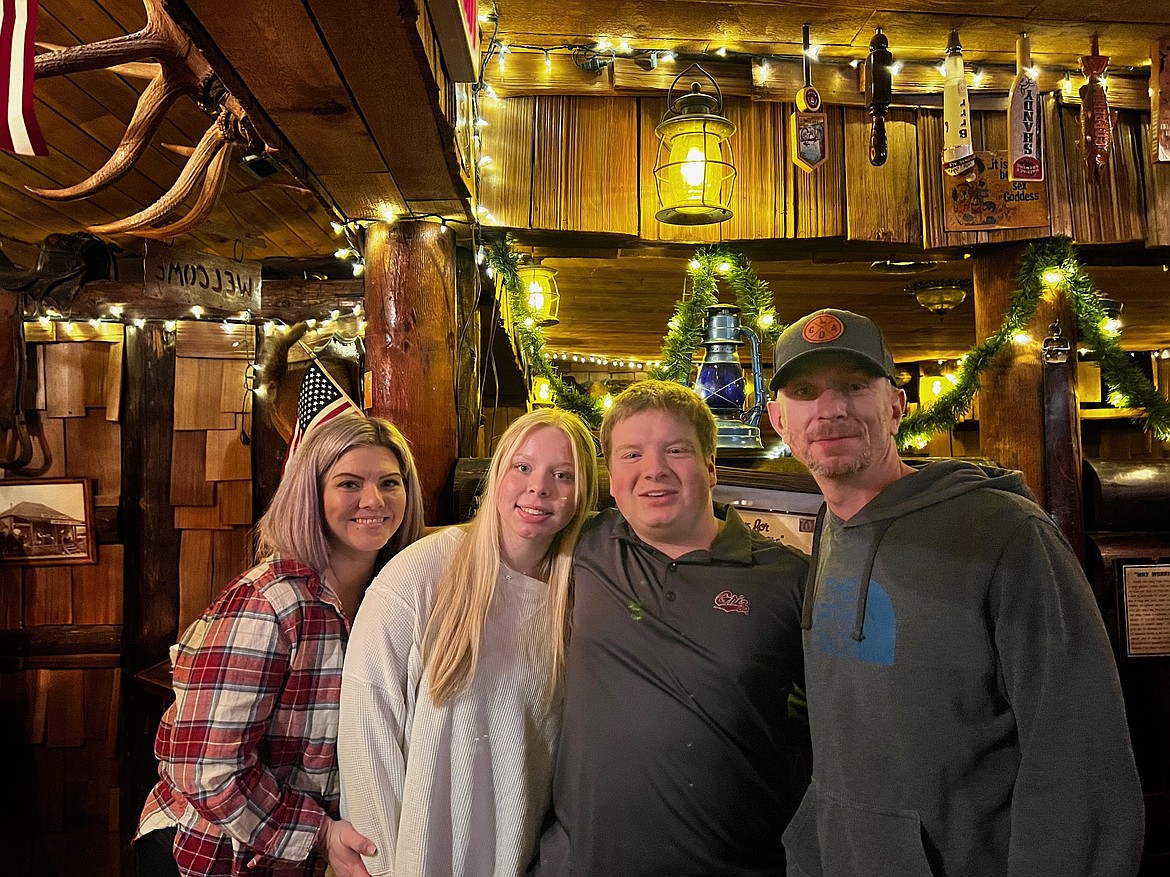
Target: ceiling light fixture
point(940, 296)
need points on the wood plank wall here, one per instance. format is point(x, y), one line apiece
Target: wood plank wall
point(60, 680)
point(584, 162)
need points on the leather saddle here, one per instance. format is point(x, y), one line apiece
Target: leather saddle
point(64, 263)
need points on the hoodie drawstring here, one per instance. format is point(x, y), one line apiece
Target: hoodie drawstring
point(810, 582)
point(863, 589)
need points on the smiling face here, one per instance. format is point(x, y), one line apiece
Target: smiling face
point(837, 417)
point(661, 481)
point(364, 499)
point(536, 496)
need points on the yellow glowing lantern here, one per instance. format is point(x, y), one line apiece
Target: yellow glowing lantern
point(694, 173)
point(539, 286)
point(541, 395)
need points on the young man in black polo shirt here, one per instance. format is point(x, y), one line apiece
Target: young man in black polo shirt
point(685, 646)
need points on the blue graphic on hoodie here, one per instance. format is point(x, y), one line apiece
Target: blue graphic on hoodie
point(836, 615)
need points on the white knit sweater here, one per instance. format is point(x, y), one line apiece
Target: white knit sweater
point(457, 791)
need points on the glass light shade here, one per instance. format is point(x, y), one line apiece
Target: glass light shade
point(930, 387)
point(940, 296)
point(539, 287)
point(694, 172)
point(541, 394)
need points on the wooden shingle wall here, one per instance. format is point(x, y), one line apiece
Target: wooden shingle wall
point(211, 466)
point(60, 626)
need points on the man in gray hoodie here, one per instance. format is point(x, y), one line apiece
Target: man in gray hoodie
point(964, 705)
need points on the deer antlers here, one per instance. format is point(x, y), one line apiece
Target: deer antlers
point(181, 70)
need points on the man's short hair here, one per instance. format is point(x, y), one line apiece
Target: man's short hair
point(667, 396)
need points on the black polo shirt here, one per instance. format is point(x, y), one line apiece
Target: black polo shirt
point(672, 755)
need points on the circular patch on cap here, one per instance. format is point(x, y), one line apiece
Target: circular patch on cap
point(823, 328)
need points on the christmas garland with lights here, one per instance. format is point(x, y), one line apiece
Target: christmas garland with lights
point(752, 296)
point(1048, 266)
point(529, 337)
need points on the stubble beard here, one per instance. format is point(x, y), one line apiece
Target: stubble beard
point(839, 468)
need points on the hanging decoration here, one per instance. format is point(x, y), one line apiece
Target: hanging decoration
point(1025, 146)
point(529, 338)
point(879, 91)
point(1097, 120)
point(958, 158)
point(20, 132)
point(752, 296)
point(1048, 266)
point(694, 172)
point(539, 285)
point(806, 126)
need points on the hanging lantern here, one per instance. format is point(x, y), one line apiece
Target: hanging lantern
point(539, 286)
point(541, 394)
point(694, 173)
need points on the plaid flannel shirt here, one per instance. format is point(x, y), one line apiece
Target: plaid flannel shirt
point(248, 751)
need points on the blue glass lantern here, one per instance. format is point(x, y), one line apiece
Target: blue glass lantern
point(721, 383)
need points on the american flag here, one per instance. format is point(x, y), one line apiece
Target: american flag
point(320, 400)
point(18, 25)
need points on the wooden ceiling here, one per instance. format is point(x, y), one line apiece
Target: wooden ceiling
point(334, 79)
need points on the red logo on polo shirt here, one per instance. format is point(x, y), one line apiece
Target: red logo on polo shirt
point(730, 602)
point(823, 328)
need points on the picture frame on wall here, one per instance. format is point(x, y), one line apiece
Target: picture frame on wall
point(47, 521)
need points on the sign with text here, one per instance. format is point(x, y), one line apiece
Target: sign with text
point(1146, 595)
point(786, 527)
point(991, 200)
point(189, 277)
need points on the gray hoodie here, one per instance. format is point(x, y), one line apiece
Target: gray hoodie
point(964, 704)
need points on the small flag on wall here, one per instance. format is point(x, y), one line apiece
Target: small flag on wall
point(18, 25)
point(319, 400)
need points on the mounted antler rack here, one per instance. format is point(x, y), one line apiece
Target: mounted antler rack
point(182, 70)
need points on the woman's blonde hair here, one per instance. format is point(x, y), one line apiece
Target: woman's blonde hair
point(454, 633)
point(294, 525)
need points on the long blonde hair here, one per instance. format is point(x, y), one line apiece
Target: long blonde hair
point(454, 634)
point(294, 526)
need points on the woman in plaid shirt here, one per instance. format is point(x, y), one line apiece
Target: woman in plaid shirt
point(247, 753)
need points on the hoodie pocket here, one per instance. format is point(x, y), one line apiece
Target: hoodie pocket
point(834, 836)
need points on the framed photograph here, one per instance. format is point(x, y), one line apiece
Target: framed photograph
point(46, 521)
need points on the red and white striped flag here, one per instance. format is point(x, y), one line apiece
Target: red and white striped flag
point(320, 399)
point(18, 26)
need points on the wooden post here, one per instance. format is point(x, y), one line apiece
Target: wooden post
point(410, 342)
point(1063, 492)
point(151, 564)
point(268, 447)
point(152, 542)
point(1011, 403)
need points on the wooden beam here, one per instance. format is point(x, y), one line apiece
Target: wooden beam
point(286, 300)
point(61, 639)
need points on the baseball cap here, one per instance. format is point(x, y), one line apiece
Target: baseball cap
point(830, 331)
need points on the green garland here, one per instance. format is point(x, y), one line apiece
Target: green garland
point(1128, 387)
point(529, 337)
point(752, 296)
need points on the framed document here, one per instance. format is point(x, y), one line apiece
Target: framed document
point(1145, 605)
